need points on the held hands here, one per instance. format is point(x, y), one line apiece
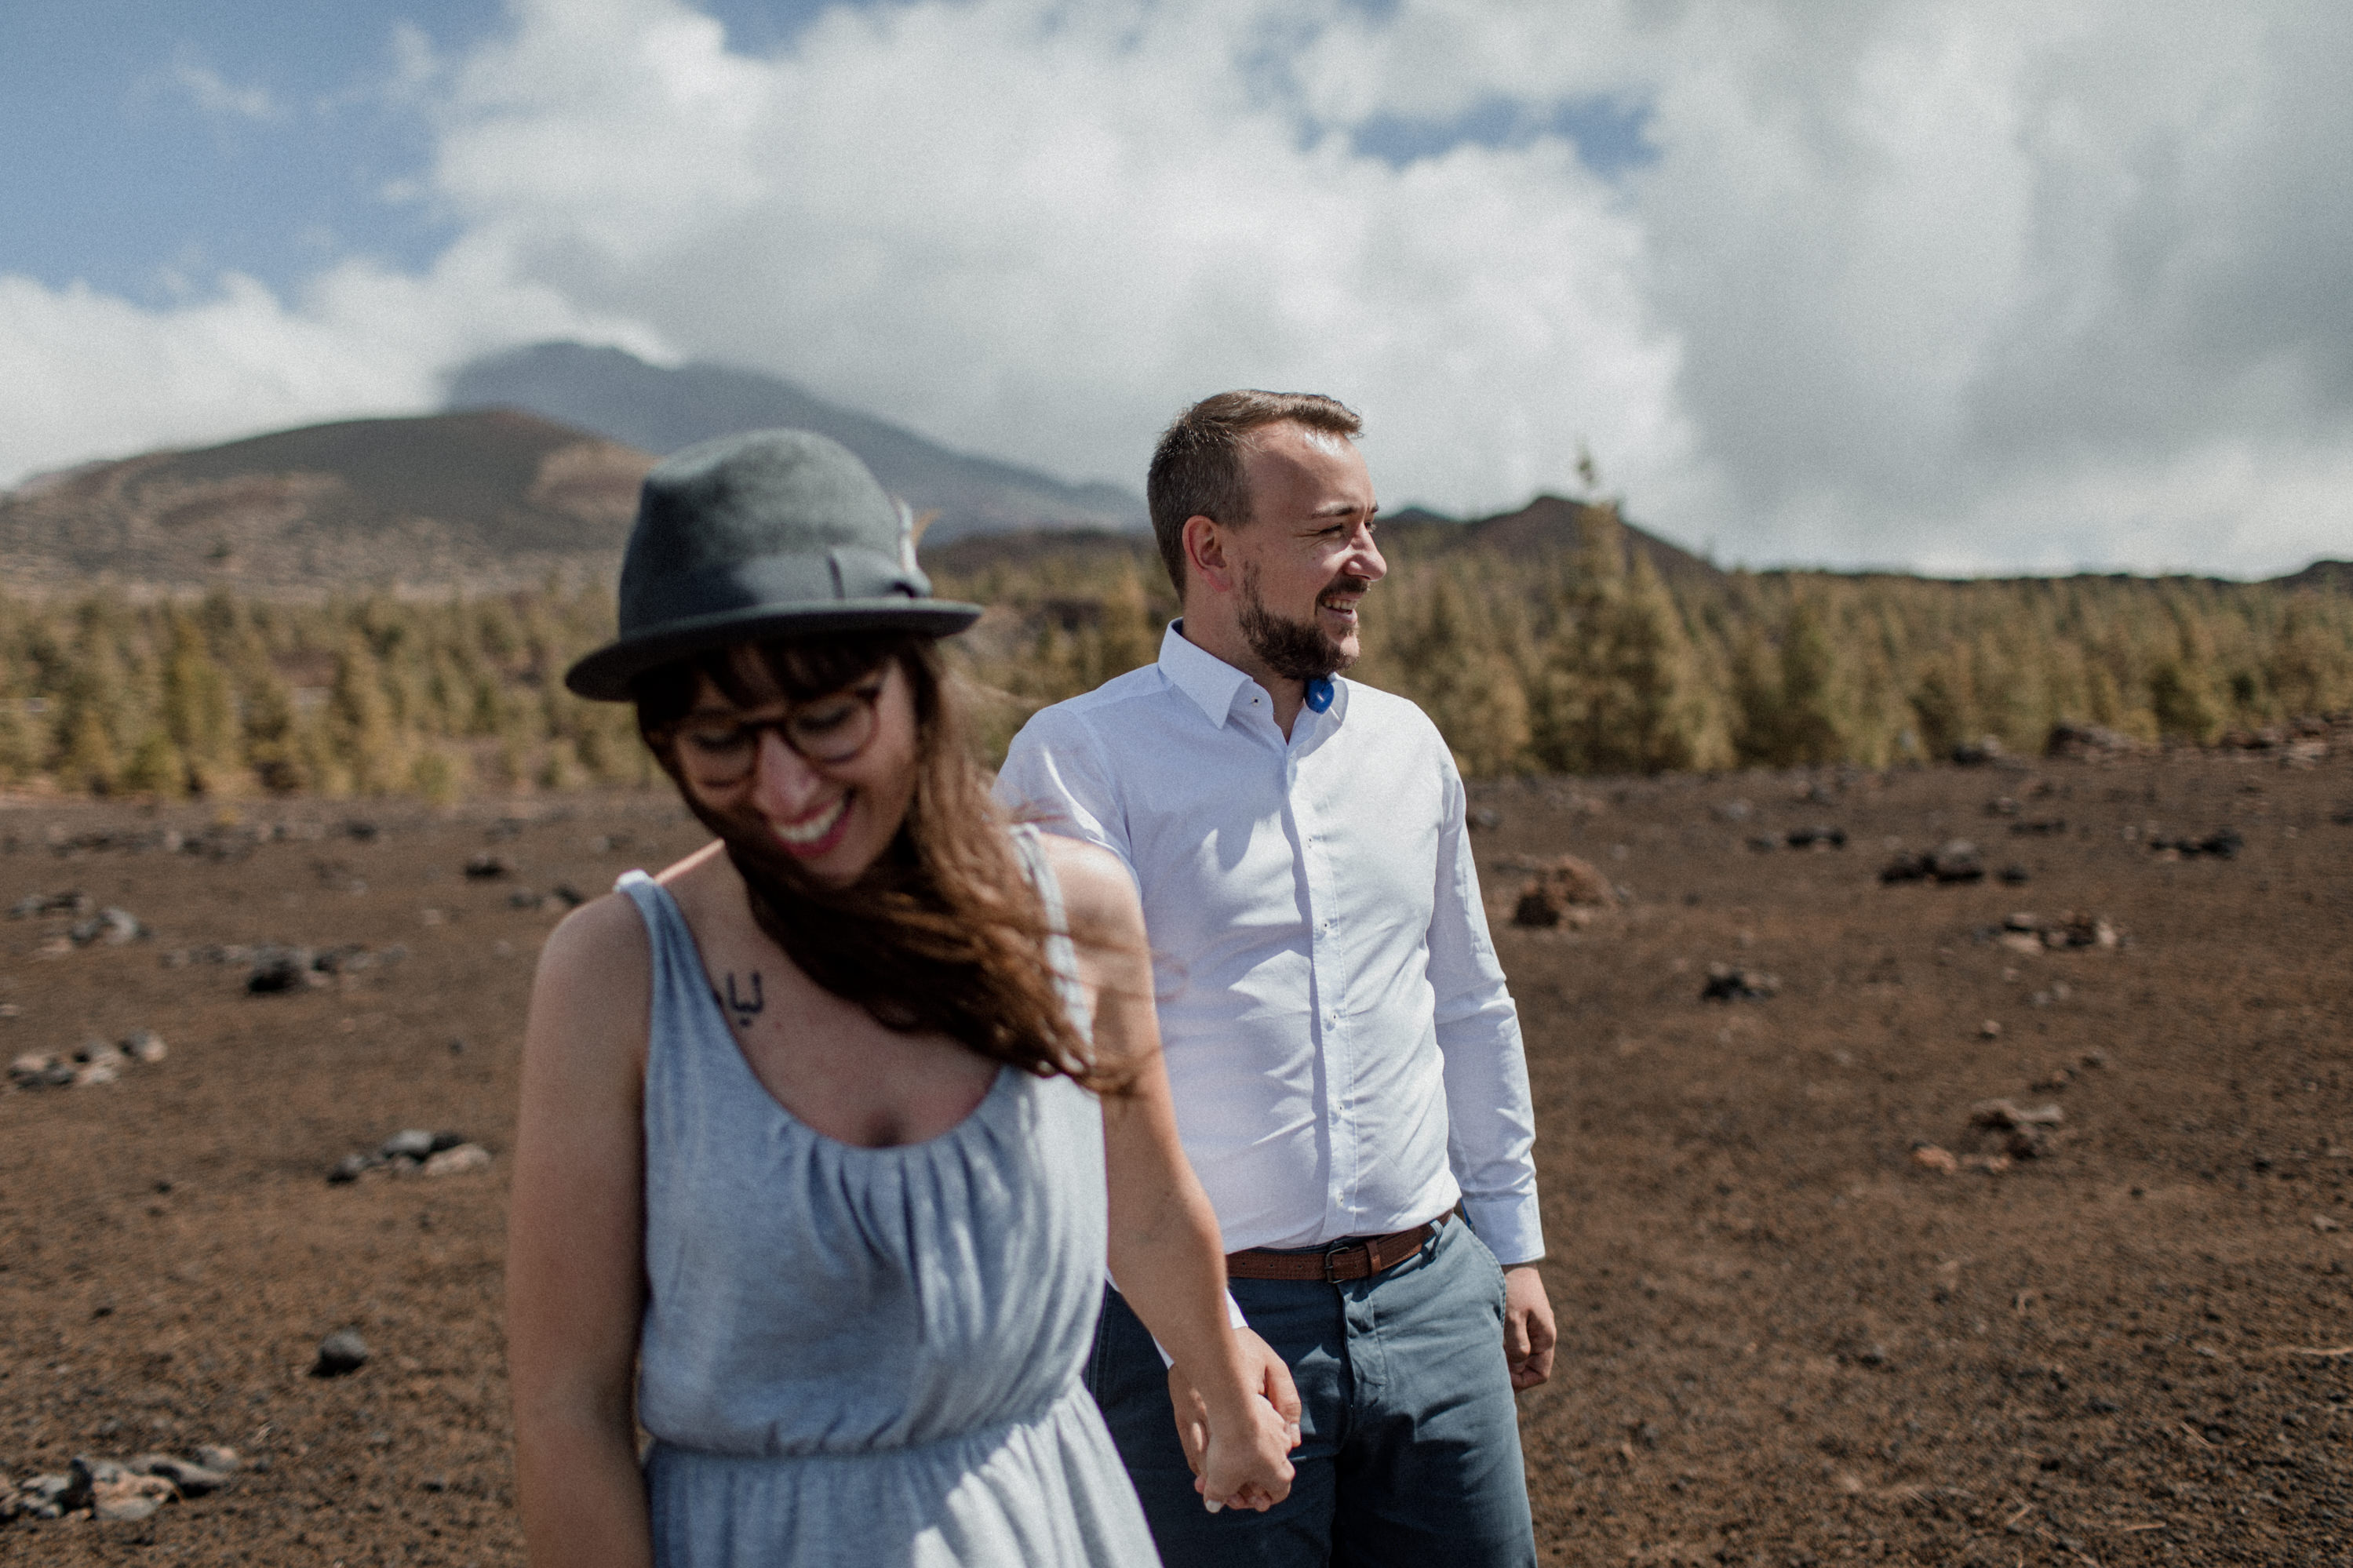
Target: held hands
point(1240, 1461)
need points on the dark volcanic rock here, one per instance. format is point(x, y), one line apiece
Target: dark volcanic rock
point(1729, 983)
point(340, 1353)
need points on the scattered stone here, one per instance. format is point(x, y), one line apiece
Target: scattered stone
point(71, 902)
point(111, 926)
point(1484, 819)
point(2092, 743)
point(487, 867)
point(193, 1477)
point(2040, 827)
point(2014, 875)
point(117, 1489)
point(36, 1069)
point(281, 969)
point(1930, 1157)
point(413, 1143)
point(1956, 861)
point(570, 897)
point(352, 1167)
point(2224, 844)
point(1540, 909)
point(1563, 887)
point(458, 1160)
point(1818, 837)
point(1729, 983)
point(2026, 933)
point(93, 1062)
point(1732, 810)
point(1977, 753)
point(340, 1354)
point(410, 1150)
point(1765, 843)
point(2343, 815)
point(130, 1496)
point(2007, 1115)
point(1990, 1029)
point(2323, 1224)
point(2025, 1133)
point(50, 1497)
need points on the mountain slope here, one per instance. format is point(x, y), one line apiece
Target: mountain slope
point(488, 498)
point(621, 397)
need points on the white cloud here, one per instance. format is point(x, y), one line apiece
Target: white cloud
point(91, 375)
point(1040, 229)
point(215, 95)
point(1926, 281)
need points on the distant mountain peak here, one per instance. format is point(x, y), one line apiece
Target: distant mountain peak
point(621, 397)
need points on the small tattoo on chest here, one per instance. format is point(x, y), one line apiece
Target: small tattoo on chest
point(742, 1007)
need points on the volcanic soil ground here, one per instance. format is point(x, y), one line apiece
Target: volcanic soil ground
point(1787, 1335)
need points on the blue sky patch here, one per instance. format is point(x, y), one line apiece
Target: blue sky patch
point(1610, 133)
point(153, 147)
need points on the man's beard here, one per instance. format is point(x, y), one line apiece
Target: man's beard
point(1296, 650)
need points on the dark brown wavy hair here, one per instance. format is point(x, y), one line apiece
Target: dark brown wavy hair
point(943, 934)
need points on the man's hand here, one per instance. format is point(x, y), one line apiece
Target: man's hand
point(1192, 1413)
point(1529, 1331)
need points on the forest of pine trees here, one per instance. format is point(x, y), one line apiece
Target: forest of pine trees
point(1578, 659)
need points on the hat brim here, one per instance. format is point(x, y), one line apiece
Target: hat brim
point(605, 674)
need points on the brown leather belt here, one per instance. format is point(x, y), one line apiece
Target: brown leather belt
point(1351, 1257)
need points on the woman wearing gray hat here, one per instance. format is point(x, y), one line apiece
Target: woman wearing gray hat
point(829, 1129)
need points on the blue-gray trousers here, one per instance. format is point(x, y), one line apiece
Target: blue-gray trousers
point(1410, 1444)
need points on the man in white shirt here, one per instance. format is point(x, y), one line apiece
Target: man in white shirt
point(1345, 1056)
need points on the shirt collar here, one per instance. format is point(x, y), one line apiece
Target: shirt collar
point(1213, 684)
point(1199, 674)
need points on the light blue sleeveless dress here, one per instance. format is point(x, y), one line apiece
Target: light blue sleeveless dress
point(869, 1356)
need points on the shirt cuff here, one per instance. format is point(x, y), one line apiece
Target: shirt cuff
point(1510, 1226)
point(1234, 1318)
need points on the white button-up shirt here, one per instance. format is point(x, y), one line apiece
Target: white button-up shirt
point(1344, 1054)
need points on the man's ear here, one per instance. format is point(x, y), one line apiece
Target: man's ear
point(1205, 552)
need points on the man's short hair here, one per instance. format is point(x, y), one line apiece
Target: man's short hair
point(1197, 469)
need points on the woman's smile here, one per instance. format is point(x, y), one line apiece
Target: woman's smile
point(817, 833)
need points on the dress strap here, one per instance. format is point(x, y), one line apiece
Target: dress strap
point(677, 965)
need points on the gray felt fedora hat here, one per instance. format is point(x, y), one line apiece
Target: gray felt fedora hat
point(769, 533)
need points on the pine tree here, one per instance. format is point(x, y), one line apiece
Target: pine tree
point(361, 734)
point(200, 712)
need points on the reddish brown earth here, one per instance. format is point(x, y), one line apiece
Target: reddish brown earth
point(1784, 1338)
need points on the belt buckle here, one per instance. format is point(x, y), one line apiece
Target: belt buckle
point(1338, 1247)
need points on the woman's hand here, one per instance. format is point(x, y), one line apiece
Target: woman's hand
point(1275, 1390)
point(1247, 1461)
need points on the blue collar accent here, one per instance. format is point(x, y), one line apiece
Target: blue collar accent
point(1319, 693)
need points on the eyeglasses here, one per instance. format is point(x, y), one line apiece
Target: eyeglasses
point(832, 729)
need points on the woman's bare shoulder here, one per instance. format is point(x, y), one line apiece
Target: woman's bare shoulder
point(602, 945)
point(1097, 891)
